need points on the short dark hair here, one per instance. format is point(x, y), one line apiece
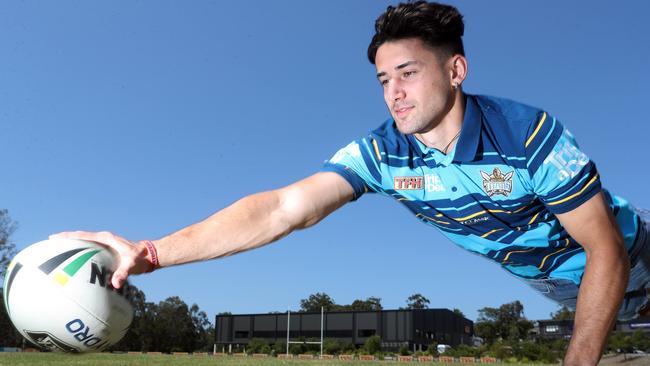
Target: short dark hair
point(439, 26)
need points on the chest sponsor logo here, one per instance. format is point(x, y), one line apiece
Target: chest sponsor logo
point(497, 182)
point(433, 183)
point(408, 183)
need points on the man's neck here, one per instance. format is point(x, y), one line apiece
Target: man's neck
point(444, 136)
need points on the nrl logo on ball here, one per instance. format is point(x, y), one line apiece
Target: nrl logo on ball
point(497, 183)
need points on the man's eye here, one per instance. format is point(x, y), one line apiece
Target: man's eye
point(409, 73)
point(383, 82)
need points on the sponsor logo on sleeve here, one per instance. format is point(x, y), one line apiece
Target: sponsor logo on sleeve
point(566, 158)
point(351, 150)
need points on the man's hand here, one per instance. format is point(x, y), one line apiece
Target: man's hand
point(133, 257)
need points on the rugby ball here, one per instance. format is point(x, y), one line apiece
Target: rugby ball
point(59, 296)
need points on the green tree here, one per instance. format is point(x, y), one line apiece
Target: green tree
point(203, 330)
point(177, 327)
point(640, 340)
point(138, 337)
point(7, 247)
point(369, 304)
point(458, 312)
point(315, 301)
point(173, 326)
point(564, 313)
point(620, 343)
point(9, 336)
point(486, 330)
point(506, 322)
point(417, 301)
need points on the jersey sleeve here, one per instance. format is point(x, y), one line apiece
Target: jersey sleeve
point(562, 175)
point(357, 164)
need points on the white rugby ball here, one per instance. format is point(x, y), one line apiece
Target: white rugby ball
point(58, 295)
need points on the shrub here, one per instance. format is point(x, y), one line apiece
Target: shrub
point(432, 350)
point(332, 346)
point(404, 351)
point(372, 345)
point(296, 349)
point(280, 347)
point(256, 345)
point(348, 348)
point(463, 350)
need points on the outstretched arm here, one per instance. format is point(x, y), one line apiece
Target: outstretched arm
point(249, 223)
point(604, 280)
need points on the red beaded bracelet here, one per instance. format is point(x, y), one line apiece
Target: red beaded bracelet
point(153, 254)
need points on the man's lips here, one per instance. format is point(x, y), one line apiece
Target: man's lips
point(402, 111)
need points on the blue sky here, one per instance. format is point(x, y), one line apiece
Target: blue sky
point(144, 117)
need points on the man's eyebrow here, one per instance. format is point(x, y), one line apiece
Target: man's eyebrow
point(398, 67)
point(407, 63)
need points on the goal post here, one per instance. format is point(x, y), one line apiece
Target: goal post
point(289, 341)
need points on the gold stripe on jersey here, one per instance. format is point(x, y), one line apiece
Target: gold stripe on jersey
point(522, 207)
point(516, 251)
point(374, 144)
point(575, 194)
point(489, 233)
point(432, 219)
point(555, 252)
point(480, 213)
point(534, 217)
point(539, 125)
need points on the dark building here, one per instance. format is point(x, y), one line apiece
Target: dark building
point(553, 329)
point(396, 328)
point(631, 326)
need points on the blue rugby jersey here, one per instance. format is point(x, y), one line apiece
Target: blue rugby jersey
point(497, 192)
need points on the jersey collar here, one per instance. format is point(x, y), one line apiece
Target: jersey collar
point(470, 134)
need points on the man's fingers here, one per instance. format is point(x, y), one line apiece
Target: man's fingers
point(83, 235)
point(125, 250)
point(102, 237)
point(118, 279)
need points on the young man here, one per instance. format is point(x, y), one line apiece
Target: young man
point(501, 179)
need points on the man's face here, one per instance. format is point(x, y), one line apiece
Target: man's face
point(416, 83)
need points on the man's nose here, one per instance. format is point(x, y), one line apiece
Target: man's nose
point(396, 91)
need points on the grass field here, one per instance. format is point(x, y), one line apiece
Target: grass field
point(107, 359)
